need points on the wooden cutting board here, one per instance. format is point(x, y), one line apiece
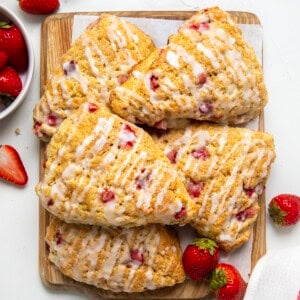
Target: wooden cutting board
point(55, 40)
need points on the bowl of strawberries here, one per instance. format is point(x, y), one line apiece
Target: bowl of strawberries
point(16, 62)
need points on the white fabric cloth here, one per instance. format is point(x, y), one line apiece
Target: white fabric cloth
point(276, 276)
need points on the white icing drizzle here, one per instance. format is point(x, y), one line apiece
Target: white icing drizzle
point(173, 59)
point(77, 75)
point(209, 54)
point(111, 259)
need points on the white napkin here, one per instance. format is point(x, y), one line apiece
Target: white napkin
point(276, 276)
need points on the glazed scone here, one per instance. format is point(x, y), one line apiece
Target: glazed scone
point(99, 60)
point(206, 72)
point(120, 260)
point(103, 170)
point(224, 170)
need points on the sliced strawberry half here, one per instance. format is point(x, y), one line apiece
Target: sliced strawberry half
point(11, 166)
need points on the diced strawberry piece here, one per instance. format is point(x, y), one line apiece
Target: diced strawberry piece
point(127, 137)
point(194, 26)
point(194, 188)
point(52, 120)
point(154, 82)
point(249, 191)
point(245, 214)
point(50, 202)
point(172, 155)
point(11, 166)
point(200, 27)
point(93, 107)
point(181, 213)
point(129, 129)
point(206, 107)
point(69, 67)
point(163, 125)
point(122, 78)
point(143, 179)
point(202, 78)
point(137, 256)
point(37, 128)
point(201, 153)
point(107, 195)
point(58, 238)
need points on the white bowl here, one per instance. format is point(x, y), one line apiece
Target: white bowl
point(27, 75)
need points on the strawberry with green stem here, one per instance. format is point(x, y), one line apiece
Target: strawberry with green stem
point(284, 209)
point(200, 258)
point(227, 283)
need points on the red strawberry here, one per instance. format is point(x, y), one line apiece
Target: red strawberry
point(284, 209)
point(10, 82)
point(12, 41)
point(39, 7)
point(200, 258)
point(3, 58)
point(227, 283)
point(11, 166)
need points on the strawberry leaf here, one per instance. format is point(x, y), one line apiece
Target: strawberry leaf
point(218, 279)
point(206, 244)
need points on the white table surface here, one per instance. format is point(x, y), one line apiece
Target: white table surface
point(19, 276)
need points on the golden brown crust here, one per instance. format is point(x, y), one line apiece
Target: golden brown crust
point(206, 72)
point(103, 170)
point(120, 260)
point(224, 170)
point(99, 59)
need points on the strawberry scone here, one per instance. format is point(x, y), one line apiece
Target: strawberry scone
point(120, 260)
point(224, 170)
point(206, 72)
point(103, 170)
point(99, 60)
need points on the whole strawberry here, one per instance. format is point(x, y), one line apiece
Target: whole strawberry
point(39, 7)
point(3, 58)
point(284, 209)
point(227, 283)
point(10, 83)
point(200, 258)
point(13, 43)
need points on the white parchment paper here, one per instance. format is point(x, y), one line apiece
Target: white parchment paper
point(160, 30)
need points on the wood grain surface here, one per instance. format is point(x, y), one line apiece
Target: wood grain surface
point(56, 37)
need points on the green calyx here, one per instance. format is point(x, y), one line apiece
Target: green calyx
point(218, 279)
point(5, 24)
point(206, 244)
point(277, 214)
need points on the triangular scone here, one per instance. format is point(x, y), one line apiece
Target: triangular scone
point(120, 260)
point(99, 60)
point(224, 170)
point(103, 170)
point(206, 72)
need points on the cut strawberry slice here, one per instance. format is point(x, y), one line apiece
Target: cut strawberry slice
point(11, 166)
